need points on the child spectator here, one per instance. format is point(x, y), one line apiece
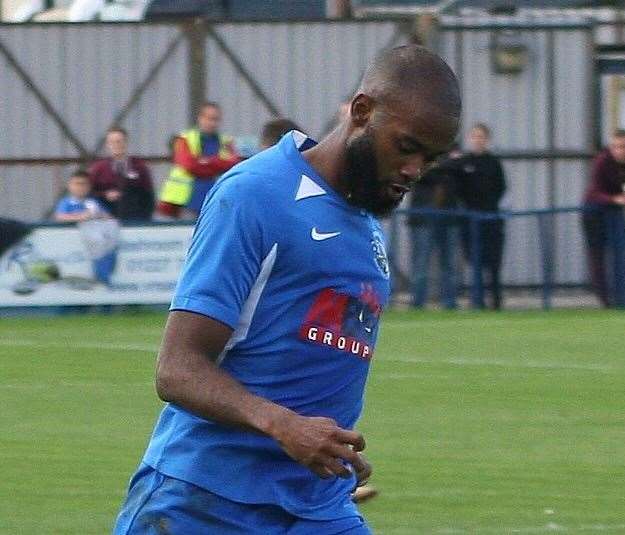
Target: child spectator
point(98, 230)
point(78, 206)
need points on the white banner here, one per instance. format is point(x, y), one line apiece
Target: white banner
point(93, 265)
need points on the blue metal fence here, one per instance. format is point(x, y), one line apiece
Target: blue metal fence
point(614, 224)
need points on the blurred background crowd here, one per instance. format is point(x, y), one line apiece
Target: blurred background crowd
point(529, 200)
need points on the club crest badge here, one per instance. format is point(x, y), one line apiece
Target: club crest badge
point(379, 253)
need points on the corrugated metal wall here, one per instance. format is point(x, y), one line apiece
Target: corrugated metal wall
point(89, 73)
point(308, 69)
point(528, 117)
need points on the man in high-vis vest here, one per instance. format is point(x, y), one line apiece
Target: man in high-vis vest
point(200, 156)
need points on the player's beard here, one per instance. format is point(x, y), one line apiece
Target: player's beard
point(360, 180)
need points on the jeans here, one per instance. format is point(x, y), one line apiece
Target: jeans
point(444, 239)
point(492, 236)
point(602, 245)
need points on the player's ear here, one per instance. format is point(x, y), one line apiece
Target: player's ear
point(361, 109)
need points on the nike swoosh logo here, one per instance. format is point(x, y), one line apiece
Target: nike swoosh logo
point(320, 236)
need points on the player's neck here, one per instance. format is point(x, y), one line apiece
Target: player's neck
point(328, 158)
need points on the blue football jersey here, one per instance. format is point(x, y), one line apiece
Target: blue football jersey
point(302, 277)
point(72, 205)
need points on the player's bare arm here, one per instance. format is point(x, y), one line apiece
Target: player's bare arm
point(187, 375)
point(288, 259)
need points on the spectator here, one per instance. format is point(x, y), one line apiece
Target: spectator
point(437, 189)
point(78, 206)
point(481, 187)
point(605, 197)
point(100, 237)
point(123, 183)
point(201, 155)
point(274, 130)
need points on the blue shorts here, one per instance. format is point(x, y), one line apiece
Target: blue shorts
point(160, 505)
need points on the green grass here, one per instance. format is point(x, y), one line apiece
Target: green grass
point(475, 422)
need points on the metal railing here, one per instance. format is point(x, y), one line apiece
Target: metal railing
point(614, 225)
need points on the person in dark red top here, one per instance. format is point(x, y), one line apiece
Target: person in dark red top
point(121, 182)
point(605, 197)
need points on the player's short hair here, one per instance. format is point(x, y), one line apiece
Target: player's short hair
point(619, 133)
point(483, 127)
point(118, 129)
point(79, 173)
point(412, 71)
point(273, 130)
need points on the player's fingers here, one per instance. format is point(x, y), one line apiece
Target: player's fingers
point(351, 437)
point(363, 470)
point(361, 462)
point(344, 452)
point(321, 470)
point(337, 467)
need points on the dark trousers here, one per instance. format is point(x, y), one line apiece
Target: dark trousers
point(596, 232)
point(428, 238)
point(491, 253)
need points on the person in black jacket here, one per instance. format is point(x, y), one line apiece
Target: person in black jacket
point(481, 187)
point(435, 233)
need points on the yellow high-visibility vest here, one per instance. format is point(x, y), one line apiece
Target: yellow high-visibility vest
point(178, 187)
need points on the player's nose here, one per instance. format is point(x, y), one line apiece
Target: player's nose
point(411, 170)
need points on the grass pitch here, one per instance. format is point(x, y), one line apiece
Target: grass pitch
point(475, 422)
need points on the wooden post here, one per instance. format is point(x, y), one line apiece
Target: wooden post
point(196, 33)
point(338, 9)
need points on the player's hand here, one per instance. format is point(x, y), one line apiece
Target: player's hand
point(363, 470)
point(320, 444)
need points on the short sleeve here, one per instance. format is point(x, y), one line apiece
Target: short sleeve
point(226, 253)
point(61, 207)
